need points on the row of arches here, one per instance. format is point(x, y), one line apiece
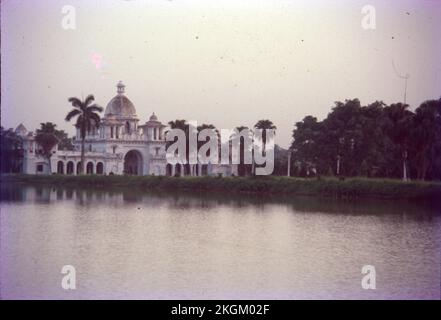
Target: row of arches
point(133, 165)
point(186, 170)
point(71, 168)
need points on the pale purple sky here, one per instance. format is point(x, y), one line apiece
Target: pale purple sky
point(229, 63)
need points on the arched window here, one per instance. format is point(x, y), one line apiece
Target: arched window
point(70, 167)
point(79, 167)
point(128, 127)
point(89, 168)
point(168, 169)
point(60, 167)
point(187, 170)
point(99, 168)
point(178, 170)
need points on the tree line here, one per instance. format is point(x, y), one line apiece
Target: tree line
point(376, 140)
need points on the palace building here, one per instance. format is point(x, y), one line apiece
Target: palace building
point(121, 145)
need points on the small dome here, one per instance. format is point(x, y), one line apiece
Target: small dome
point(121, 87)
point(21, 130)
point(153, 117)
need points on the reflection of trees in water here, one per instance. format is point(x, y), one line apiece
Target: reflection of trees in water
point(69, 194)
point(13, 194)
point(182, 200)
point(60, 194)
point(130, 196)
point(363, 206)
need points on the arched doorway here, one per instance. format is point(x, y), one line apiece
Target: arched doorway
point(89, 168)
point(99, 168)
point(133, 163)
point(70, 167)
point(79, 167)
point(60, 167)
point(178, 170)
point(187, 170)
point(204, 170)
point(169, 170)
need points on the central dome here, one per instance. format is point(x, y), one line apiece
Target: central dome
point(120, 105)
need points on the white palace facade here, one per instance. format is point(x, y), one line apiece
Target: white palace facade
point(121, 145)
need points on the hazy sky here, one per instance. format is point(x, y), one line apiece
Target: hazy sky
point(229, 63)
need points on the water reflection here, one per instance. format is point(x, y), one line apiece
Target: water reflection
point(208, 201)
point(129, 244)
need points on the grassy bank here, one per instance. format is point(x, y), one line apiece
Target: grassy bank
point(332, 187)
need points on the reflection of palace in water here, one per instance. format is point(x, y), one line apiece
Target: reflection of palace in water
point(43, 194)
point(121, 145)
point(124, 197)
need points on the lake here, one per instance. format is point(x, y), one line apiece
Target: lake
point(129, 245)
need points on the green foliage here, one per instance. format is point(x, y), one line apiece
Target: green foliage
point(350, 188)
point(47, 138)
point(65, 143)
point(426, 140)
point(372, 141)
point(11, 151)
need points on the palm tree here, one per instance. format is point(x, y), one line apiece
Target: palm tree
point(182, 125)
point(242, 167)
point(264, 125)
point(210, 127)
point(205, 166)
point(47, 139)
point(87, 117)
point(205, 126)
